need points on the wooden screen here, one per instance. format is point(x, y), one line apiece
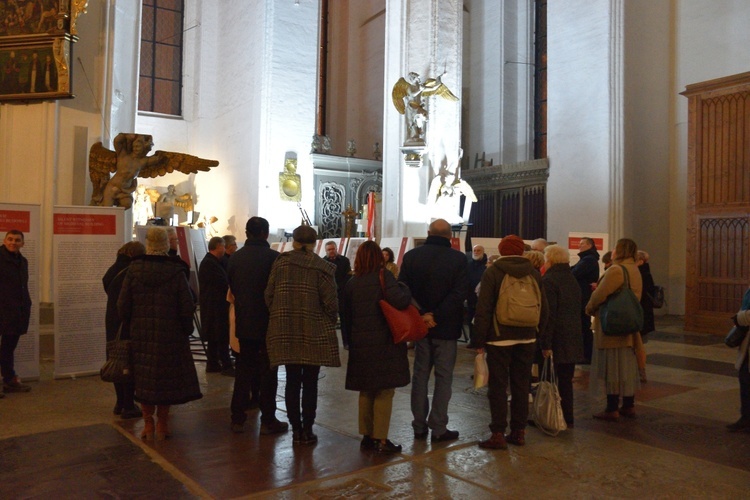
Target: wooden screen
point(718, 243)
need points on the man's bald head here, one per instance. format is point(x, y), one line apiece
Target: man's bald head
point(440, 227)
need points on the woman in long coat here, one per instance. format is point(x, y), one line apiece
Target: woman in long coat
point(564, 326)
point(376, 365)
point(112, 281)
point(303, 308)
point(616, 357)
point(156, 300)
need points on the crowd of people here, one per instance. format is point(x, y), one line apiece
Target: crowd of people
point(285, 309)
point(527, 305)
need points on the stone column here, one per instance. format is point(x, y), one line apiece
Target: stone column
point(425, 37)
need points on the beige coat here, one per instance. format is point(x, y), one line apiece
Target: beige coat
point(609, 283)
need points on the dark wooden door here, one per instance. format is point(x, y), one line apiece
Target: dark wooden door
point(718, 232)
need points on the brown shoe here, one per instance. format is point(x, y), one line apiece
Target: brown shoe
point(609, 416)
point(628, 412)
point(517, 437)
point(495, 442)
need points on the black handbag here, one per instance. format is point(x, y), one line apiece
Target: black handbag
point(622, 314)
point(736, 335)
point(118, 368)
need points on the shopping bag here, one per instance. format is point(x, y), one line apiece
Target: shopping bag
point(117, 368)
point(481, 372)
point(406, 325)
point(546, 409)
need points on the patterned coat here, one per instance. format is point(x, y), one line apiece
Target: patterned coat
point(303, 306)
point(375, 362)
point(156, 299)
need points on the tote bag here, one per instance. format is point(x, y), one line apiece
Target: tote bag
point(547, 411)
point(118, 367)
point(622, 313)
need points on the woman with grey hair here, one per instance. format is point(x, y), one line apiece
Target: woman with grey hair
point(563, 337)
point(155, 300)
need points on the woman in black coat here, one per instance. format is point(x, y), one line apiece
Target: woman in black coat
point(563, 335)
point(376, 365)
point(112, 280)
point(156, 300)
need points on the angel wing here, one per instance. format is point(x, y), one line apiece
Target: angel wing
point(102, 163)
point(185, 202)
point(465, 189)
point(437, 87)
point(400, 90)
point(153, 194)
point(168, 162)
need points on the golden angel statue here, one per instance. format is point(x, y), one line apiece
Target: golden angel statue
point(409, 95)
point(128, 162)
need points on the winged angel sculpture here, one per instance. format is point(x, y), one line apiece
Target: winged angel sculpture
point(128, 162)
point(409, 98)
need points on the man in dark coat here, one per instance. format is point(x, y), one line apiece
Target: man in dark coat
point(510, 346)
point(436, 275)
point(248, 272)
point(213, 285)
point(15, 307)
point(343, 273)
point(477, 265)
point(586, 272)
point(230, 246)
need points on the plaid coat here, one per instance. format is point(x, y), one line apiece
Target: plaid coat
point(303, 306)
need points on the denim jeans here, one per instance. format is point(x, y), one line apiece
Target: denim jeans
point(429, 354)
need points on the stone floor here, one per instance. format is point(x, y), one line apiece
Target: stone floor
point(62, 441)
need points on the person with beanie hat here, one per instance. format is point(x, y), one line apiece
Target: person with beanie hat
point(510, 349)
point(303, 308)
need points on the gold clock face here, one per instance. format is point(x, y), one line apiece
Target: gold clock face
point(290, 187)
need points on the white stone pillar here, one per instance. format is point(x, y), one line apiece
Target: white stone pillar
point(425, 37)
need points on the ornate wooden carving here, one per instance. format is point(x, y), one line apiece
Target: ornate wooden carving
point(718, 236)
point(512, 199)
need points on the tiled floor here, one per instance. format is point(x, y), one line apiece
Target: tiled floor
point(61, 441)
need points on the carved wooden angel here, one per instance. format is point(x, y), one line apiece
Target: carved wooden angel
point(184, 201)
point(408, 98)
point(128, 162)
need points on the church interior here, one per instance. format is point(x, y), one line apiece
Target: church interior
point(622, 118)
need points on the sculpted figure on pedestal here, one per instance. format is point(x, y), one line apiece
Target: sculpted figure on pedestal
point(128, 162)
point(409, 98)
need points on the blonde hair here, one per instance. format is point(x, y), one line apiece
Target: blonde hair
point(555, 254)
point(536, 257)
